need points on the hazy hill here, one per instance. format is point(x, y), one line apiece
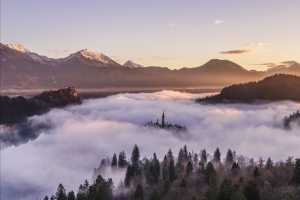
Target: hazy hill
point(273, 88)
point(21, 68)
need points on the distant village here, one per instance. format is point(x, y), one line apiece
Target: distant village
point(165, 125)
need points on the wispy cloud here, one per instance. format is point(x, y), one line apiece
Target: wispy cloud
point(275, 64)
point(163, 58)
point(171, 24)
point(218, 21)
point(237, 51)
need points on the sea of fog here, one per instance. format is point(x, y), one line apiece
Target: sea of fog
point(78, 137)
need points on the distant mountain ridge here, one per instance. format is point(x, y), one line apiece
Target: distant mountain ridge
point(21, 68)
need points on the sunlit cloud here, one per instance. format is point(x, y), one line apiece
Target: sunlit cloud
point(171, 24)
point(217, 22)
point(275, 64)
point(237, 51)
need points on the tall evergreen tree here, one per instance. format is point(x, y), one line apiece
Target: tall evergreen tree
point(226, 190)
point(52, 197)
point(156, 166)
point(296, 173)
point(189, 168)
point(235, 168)
point(122, 160)
point(256, 172)
point(185, 154)
point(208, 172)
point(203, 156)
point(135, 156)
point(46, 198)
point(269, 163)
point(196, 158)
point(155, 195)
point(165, 172)
point(61, 193)
point(183, 183)
point(170, 154)
point(166, 186)
point(268, 194)
point(172, 173)
point(71, 195)
point(229, 157)
point(139, 193)
point(217, 155)
point(250, 191)
point(212, 191)
point(181, 156)
point(129, 175)
point(114, 162)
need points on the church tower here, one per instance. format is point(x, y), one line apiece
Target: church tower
point(163, 120)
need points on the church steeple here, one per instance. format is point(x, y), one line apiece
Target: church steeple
point(163, 120)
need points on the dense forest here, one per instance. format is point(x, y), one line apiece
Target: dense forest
point(273, 88)
point(293, 118)
point(16, 109)
point(192, 176)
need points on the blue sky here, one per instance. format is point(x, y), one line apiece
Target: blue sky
point(171, 34)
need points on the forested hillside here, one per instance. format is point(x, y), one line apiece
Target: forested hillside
point(191, 176)
point(273, 88)
point(16, 109)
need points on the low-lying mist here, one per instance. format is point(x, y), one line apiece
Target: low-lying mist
point(78, 137)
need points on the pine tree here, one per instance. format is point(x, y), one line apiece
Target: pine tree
point(52, 197)
point(296, 173)
point(250, 191)
point(185, 154)
point(189, 168)
point(129, 175)
point(165, 172)
point(217, 155)
point(166, 186)
point(172, 173)
point(170, 155)
point(183, 183)
point(60, 193)
point(196, 158)
point(203, 156)
point(156, 166)
point(114, 162)
point(235, 168)
point(269, 163)
point(46, 198)
point(225, 191)
point(229, 157)
point(71, 195)
point(181, 156)
point(256, 172)
point(212, 191)
point(122, 160)
point(155, 195)
point(139, 194)
point(135, 156)
point(268, 195)
point(209, 170)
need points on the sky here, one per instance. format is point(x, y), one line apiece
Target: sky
point(172, 34)
point(80, 136)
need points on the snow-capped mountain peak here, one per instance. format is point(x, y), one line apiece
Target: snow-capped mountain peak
point(18, 47)
point(131, 64)
point(92, 55)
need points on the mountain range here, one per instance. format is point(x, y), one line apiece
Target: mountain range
point(21, 68)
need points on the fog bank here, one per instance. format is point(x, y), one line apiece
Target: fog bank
point(78, 137)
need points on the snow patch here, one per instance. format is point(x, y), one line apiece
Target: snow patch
point(92, 55)
point(131, 64)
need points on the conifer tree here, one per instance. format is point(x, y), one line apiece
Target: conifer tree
point(183, 183)
point(296, 173)
point(170, 155)
point(129, 175)
point(208, 172)
point(229, 157)
point(203, 156)
point(135, 156)
point(250, 191)
point(181, 156)
point(226, 190)
point(156, 166)
point(46, 198)
point(269, 163)
point(114, 162)
point(268, 194)
point(139, 193)
point(189, 168)
point(185, 154)
point(217, 155)
point(52, 197)
point(155, 195)
point(71, 195)
point(212, 191)
point(196, 158)
point(235, 167)
point(256, 172)
point(166, 186)
point(172, 173)
point(165, 172)
point(60, 193)
point(122, 160)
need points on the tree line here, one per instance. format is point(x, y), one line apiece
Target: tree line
point(192, 176)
